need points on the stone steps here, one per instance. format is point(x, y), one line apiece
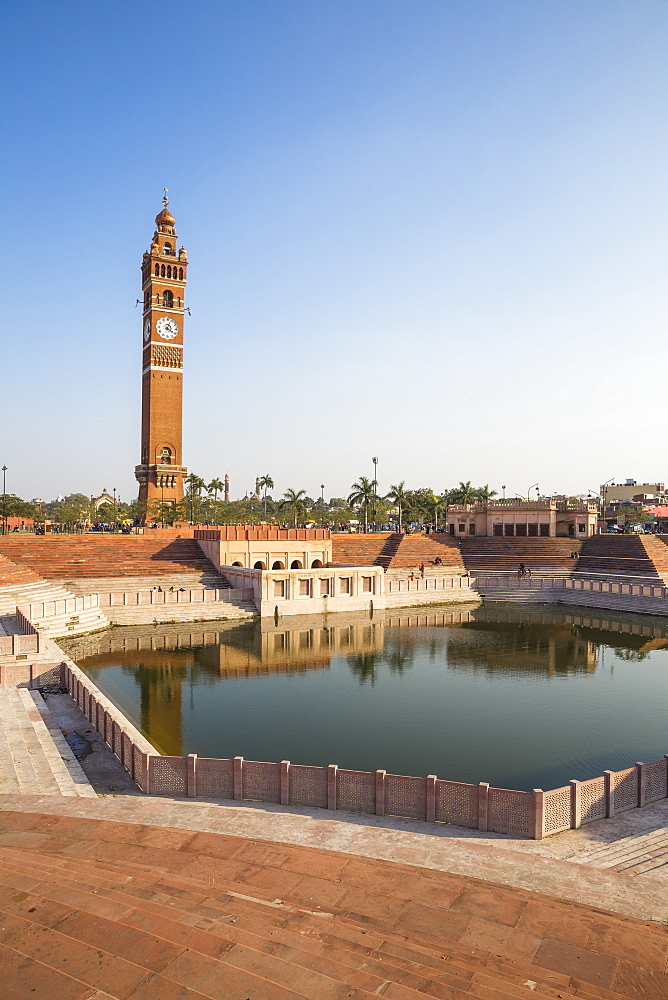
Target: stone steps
point(34, 755)
point(204, 611)
point(151, 913)
point(635, 855)
point(132, 584)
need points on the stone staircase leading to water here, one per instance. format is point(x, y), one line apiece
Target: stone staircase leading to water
point(611, 555)
point(108, 910)
point(487, 556)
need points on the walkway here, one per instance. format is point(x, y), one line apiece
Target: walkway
point(632, 855)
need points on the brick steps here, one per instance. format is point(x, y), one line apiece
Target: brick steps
point(131, 584)
point(86, 556)
point(418, 549)
point(543, 556)
point(642, 555)
point(152, 913)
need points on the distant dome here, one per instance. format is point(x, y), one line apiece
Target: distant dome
point(165, 218)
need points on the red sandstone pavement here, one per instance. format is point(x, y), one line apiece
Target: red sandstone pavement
point(95, 909)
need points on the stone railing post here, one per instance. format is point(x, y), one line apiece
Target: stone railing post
point(576, 804)
point(191, 775)
point(642, 782)
point(483, 800)
point(284, 777)
point(238, 777)
point(331, 785)
point(143, 779)
point(430, 808)
point(380, 793)
point(609, 790)
point(538, 814)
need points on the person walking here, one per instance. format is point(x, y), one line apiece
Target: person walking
point(521, 571)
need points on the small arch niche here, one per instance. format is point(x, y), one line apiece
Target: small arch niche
point(167, 248)
point(295, 564)
point(277, 565)
point(165, 456)
point(168, 299)
point(237, 564)
point(259, 565)
point(316, 564)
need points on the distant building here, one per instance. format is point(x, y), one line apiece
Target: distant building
point(630, 490)
point(524, 519)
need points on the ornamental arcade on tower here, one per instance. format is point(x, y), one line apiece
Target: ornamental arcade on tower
point(164, 270)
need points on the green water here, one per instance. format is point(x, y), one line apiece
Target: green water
point(521, 697)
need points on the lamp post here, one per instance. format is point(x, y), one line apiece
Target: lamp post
point(375, 490)
point(603, 495)
point(115, 510)
point(530, 489)
point(4, 499)
point(322, 504)
point(162, 500)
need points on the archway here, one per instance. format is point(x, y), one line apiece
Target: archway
point(295, 564)
point(316, 564)
point(237, 564)
point(277, 565)
point(259, 565)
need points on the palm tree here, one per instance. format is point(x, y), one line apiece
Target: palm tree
point(215, 487)
point(483, 493)
point(363, 495)
point(195, 486)
point(266, 483)
point(465, 493)
point(398, 496)
point(295, 501)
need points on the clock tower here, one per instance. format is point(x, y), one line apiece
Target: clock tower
point(164, 271)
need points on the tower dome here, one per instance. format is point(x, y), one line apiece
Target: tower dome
point(165, 218)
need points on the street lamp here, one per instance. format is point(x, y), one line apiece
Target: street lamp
point(115, 511)
point(162, 500)
point(375, 490)
point(530, 489)
point(4, 499)
point(603, 495)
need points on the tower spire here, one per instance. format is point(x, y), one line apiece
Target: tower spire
point(165, 198)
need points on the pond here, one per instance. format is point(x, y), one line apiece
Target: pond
point(518, 696)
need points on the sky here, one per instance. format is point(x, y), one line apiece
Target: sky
point(430, 232)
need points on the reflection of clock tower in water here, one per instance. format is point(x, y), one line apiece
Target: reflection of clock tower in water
point(161, 473)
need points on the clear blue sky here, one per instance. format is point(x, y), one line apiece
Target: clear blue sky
point(429, 231)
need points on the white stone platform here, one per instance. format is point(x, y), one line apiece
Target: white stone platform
point(35, 758)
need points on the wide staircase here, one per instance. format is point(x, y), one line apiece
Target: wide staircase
point(21, 587)
point(631, 555)
point(71, 557)
point(34, 755)
point(490, 556)
point(95, 910)
point(360, 550)
point(433, 550)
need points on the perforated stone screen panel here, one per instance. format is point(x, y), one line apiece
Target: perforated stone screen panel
point(592, 800)
point(655, 781)
point(214, 778)
point(261, 781)
point(510, 812)
point(557, 810)
point(168, 775)
point(308, 786)
point(625, 784)
point(356, 791)
point(405, 796)
point(457, 803)
point(126, 759)
point(137, 768)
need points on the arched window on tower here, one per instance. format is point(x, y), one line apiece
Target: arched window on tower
point(169, 270)
point(165, 456)
point(168, 299)
point(157, 270)
point(180, 274)
point(162, 270)
point(167, 248)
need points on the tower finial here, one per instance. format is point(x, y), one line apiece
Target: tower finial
point(165, 199)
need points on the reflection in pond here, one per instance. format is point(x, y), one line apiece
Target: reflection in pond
point(519, 696)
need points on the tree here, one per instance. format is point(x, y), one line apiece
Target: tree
point(166, 513)
point(295, 502)
point(464, 493)
point(266, 483)
point(397, 495)
point(195, 486)
point(632, 515)
point(215, 487)
point(484, 494)
point(13, 506)
point(362, 495)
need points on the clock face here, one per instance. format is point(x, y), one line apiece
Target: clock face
point(167, 328)
point(147, 330)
